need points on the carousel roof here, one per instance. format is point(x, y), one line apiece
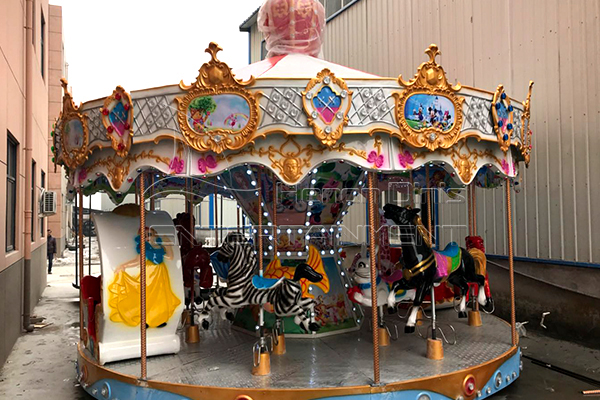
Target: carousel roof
point(293, 113)
point(297, 66)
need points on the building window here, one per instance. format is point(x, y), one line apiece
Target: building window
point(42, 41)
point(263, 50)
point(43, 185)
point(334, 6)
point(11, 192)
point(32, 201)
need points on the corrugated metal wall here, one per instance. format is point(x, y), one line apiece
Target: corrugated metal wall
point(484, 43)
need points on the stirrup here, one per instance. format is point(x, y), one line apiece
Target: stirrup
point(442, 334)
point(482, 308)
point(277, 330)
point(385, 325)
point(259, 348)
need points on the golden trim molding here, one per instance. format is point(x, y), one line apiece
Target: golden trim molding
point(71, 157)
point(525, 130)
point(328, 133)
point(500, 98)
point(120, 143)
point(216, 78)
point(431, 80)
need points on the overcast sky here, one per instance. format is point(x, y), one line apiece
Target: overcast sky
point(142, 44)
point(145, 43)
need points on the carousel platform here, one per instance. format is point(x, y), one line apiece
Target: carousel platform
point(342, 365)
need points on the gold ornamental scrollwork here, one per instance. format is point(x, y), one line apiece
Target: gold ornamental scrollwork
point(74, 134)
point(117, 118)
point(194, 109)
point(502, 116)
point(290, 160)
point(431, 128)
point(465, 163)
point(118, 168)
point(525, 130)
point(327, 121)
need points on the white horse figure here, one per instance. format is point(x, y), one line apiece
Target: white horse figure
point(361, 292)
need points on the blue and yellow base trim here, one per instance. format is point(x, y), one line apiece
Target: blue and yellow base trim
point(103, 384)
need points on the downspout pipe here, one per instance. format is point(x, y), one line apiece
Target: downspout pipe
point(27, 326)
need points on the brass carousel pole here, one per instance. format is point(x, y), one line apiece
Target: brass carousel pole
point(474, 203)
point(429, 228)
point(374, 310)
point(221, 219)
point(262, 360)
point(411, 193)
point(216, 217)
point(435, 349)
point(152, 201)
point(474, 317)
point(470, 207)
point(384, 336)
point(193, 331)
point(513, 322)
point(143, 277)
point(278, 336)
point(80, 234)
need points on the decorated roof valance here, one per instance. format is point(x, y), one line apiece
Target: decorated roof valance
point(290, 114)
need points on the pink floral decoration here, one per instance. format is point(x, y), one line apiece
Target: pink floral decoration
point(375, 158)
point(506, 167)
point(406, 159)
point(82, 175)
point(206, 163)
point(176, 165)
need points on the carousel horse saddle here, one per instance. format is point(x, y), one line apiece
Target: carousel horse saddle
point(221, 268)
point(264, 283)
point(451, 250)
point(447, 260)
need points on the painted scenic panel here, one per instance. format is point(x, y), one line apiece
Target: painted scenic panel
point(74, 135)
point(224, 111)
point(423, 111)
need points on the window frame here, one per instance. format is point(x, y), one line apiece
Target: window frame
point(263, 50)
point(12, 154)
point(42, 218)
point(345, 4)
point(33, 166)
point(42, 42)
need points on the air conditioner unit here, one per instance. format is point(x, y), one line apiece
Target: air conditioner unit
point(47, 203)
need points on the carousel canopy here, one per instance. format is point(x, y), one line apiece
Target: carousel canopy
point(293, 113)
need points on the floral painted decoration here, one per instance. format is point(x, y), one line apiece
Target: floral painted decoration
point(176, 165)
point(406, 159)
point(506, 167)
point(207, 163)
point(82, 175)
point(375, 159)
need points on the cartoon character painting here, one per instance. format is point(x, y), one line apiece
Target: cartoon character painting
point(424, 111)
point(124, 290)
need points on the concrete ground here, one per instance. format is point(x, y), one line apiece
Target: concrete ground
point(42, 363)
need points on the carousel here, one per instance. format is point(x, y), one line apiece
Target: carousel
point(296, 142)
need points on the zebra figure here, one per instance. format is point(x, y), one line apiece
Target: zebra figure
point(244, 287)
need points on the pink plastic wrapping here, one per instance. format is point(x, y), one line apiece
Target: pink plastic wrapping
point(292, 26)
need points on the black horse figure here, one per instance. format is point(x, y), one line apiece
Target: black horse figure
point(424, 267)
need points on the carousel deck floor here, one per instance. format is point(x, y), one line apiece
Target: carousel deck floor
point(223, 358)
